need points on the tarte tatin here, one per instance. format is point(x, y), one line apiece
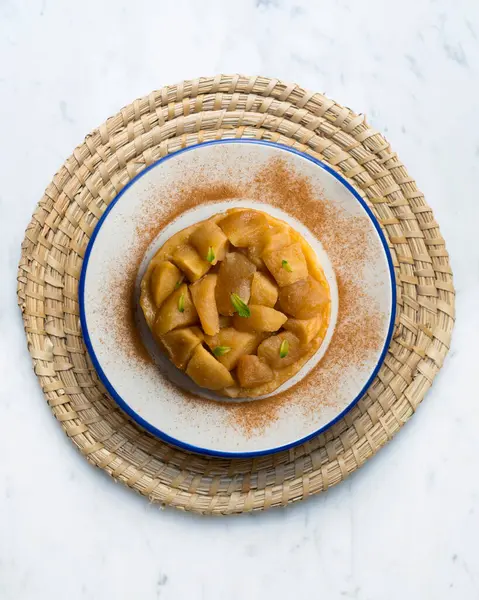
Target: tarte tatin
point(239, 302)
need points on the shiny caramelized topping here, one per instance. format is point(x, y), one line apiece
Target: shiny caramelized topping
point(236, 302)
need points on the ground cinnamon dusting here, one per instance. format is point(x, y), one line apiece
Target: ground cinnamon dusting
point(186, 197)
point(344, 238)
point(121, 305)
point(253, 417)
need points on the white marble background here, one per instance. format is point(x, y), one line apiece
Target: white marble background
point(406, 525)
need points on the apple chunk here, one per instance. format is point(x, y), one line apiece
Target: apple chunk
point(253, 371)
point(263, 290)
point(180, 344)
point(163, 280)
point(305, 329)
point(207, 372)
point(244, 227)
point(277, 237)
point(262, 318)
point(234, 277)
point(178, 310)
point(203, 294)
point(229, 345)
point(210, 242)
point(190, 262)
point(281, 350)
point(287, 265)
point(303, 299)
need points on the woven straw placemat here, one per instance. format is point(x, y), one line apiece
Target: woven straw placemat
point(141, 133)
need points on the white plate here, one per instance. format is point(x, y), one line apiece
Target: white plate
point(143, 388)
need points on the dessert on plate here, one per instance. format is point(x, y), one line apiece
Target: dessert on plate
point(239, 302)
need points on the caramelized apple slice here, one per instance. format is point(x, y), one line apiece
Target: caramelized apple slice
point(263, 290)
point(210, 242)
point(281, 350)
point(228, 345)
point(253, 253)
point(180, 344)
point(277, 237)
point(163, 280)
point(262, 318)
point(253, 371)
point(177, 310)
point(203, 294)
point(244, 227)
point(287, 265)
point(305, 329)
point(303, 299)
point(207, 372)
point(190, 262)
point(234, 277)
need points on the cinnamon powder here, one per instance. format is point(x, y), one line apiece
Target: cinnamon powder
point(121, 305)
point(358, 328)
point(345, 239)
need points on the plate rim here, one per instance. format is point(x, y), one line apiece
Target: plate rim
point(151, 428)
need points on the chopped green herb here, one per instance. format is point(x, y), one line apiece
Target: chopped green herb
point(284, 349)
point(179, 282)
point(240, 307)
point(211, 255)
point(221, 350)
point(286, 266)
point(181, 303)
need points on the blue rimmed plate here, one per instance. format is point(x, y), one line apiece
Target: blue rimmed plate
point(348, 241)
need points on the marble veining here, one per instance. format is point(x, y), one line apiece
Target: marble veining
point(405, 525)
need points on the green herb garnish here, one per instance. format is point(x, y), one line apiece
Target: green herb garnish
point(221, 350)
point(240, 307)
point(181, 303)
point(179, 282)
point(211, 255)
point(286, 266)
point(284, 349)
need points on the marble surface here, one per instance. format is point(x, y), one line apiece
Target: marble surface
point(405, 525)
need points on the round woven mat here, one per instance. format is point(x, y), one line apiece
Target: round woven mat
point(161, 123)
